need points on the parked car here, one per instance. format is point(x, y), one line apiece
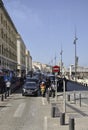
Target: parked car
point(30, 88)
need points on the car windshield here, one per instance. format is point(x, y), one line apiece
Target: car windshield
point(52, 77)
point(30, 85)
point(31, 79)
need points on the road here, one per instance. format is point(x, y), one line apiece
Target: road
point(22, 113)
point(19, 112)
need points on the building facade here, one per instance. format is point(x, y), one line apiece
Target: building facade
point(21, 51)
point(13, 53)
point(28, 62)
point(8, 46)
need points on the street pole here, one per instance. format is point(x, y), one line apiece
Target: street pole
point(75, 56)
point(64, 97)
point(56, 86)
point(61, 61)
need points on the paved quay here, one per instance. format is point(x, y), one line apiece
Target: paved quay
point(73, 111)
point(75, 115)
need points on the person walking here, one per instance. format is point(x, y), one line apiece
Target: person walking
point(42, 88)
point(8, 85)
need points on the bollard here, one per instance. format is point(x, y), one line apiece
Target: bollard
point(2, 97)
point(53, 111)
point(69, 97)
point(48, 98)
point(80, 99)
point(74, 98)
point(62, 119)
point(71, 123)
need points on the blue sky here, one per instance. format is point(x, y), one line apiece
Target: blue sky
point(46, 26)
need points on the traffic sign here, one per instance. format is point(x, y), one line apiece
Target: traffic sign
point(56, 68)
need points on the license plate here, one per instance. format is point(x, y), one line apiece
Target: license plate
point(30, 91)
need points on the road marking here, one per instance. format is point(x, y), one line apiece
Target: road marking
point(45, 123)
point(43, 101)
point(19, 111)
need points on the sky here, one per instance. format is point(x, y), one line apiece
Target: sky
point(49, 26)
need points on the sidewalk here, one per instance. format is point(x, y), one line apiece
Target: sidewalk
point(73, 111)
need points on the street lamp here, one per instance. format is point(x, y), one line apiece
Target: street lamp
point(61, 60)
point(75, 56)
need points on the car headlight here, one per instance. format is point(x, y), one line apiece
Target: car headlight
point(24, 89)
point(36, 89)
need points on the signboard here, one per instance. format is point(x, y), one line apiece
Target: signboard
point(56, 68)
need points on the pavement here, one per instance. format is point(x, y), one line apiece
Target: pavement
point(71, 116)
point(75, 116)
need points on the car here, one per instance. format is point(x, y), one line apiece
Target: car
point(51, 77)
point(30, 88)
point(29, 79)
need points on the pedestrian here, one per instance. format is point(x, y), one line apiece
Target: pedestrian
point(8, 85)
point(42, 87)
point(53, 89)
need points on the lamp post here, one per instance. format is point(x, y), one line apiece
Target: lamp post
point(61, 60)
point(75, 56)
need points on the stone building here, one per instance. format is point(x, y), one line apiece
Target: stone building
point(8, 45)
point(13, 53)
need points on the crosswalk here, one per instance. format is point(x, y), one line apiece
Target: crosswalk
point(19, 111)
point(23, 113)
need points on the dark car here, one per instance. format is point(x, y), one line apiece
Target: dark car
point(51, 77)
point(30, 88)
point(29, 79)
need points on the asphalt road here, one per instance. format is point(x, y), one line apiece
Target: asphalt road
point(22, 113)
point(19, 112)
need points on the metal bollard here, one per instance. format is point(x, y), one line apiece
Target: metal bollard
point(53, 111)
point(80, 99)
point(2, 97)
point(69, 97)
point(74, 98)
point(48, 98)
point(62, 119)
point(71, 123)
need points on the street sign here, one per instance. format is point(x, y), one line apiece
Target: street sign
point(56, 68)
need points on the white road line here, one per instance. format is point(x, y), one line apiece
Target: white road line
point(43, 101)
point(45, 123)
point(19, 111)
